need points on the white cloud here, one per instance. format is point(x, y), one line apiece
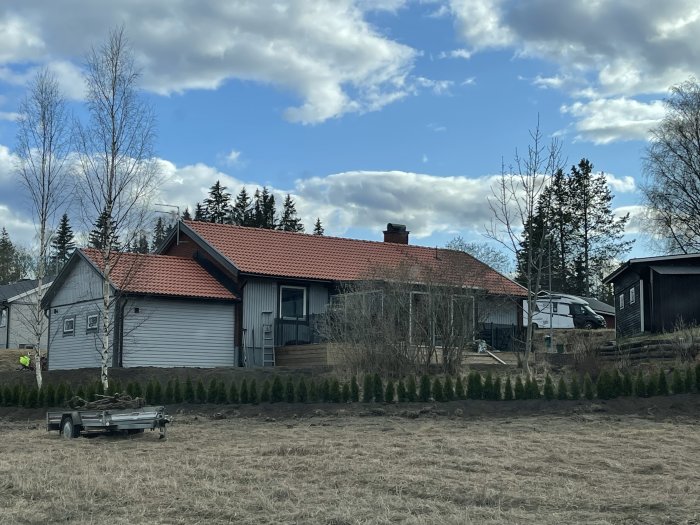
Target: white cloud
point(437, 128)
point(456, 53)
point(424, 159)
point(606, 120)
point(8, 115)
point(638, 218)
point(438, 87)
point(468, 81)
point(233, 158)
point(624, 184)
point(324, 52)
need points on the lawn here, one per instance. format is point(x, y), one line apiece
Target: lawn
point(343, 467)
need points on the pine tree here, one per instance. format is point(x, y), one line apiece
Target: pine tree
point(488, 386)
point(519, 388)
point(497, 389)
point(677, 385)
point(325, 393)
point(459, 388)
point(367, 391)
point(189, 390)
point(158, 234)
point(186, 216)
point(562, 392)
point(245, 398)
point(302, 391)
point(390, 392)
point(290, 221)
point(318, 227)
point(253, 392)
point(640, 386)
point(9, 269)
point(289, 391)
point(603, 385)
point(169, 396)
point(334, 393)
point(535, 392)
point(508, 392)
point(313, 391)
point(212, 391)
point(652, 385)
point(200, 393)
point(217, 205)
point(264, 214)
point(627, 385)
point(662, 384)
point(104, 230)
point(354, 390)
point(345, 393)
point(62, 245)
point(221, 396)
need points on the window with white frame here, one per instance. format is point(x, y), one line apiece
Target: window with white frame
point(69, 326)
point(292, 302)
point(92, 323)
point(622, 301)
point(632, 296)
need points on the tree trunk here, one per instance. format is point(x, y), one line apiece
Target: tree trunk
point(104, 355)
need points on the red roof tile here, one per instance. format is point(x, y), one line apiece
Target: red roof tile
point(161, 275)
point(297, 255)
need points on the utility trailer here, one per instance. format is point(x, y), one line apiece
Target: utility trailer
point(73, 423)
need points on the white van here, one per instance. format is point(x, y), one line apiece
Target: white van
point(563, 311)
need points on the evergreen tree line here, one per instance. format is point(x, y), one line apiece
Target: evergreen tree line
point(256, 211)
point(610, 384)
point(574, 223)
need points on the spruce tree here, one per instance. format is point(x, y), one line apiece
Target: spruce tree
point(200, 213)
point(652, 385)
point(212, 391)
point(475, 386)
point(313, 391)
point(264, 214)
point(437, 389)
point(157, 392)
point(448, 390)
point(588, 391)
point(233, 396)
point(575, 387)
point(325, 391)
point(277, 394)
point(302, 391)
point(169, 396)
point(189, 390)
point(62, 245)
point(158, 235)
point(401, 391)
point(290, 221)
point(241, 213)
point(186, 216)
point(603, 386)
point(217, 204)
point(627, 385)
point(497, 389)
point(688, 379)
point(508, 391)
point(562, 392)
point(390, 392)
point(221, 395)
point(548, 388)
point(104, 229)
point(289, 394)
point(411, 389)
point(677, 385)
point(424, 394)
point(535, 392)
point(354, 390)
point(50, 396)
point(318, 227)
point(9, 271)
point(527, 387)
point(60, 396)
point(459, 388)
point(488, 386)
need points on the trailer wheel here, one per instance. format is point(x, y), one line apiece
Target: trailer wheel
point(68, 429)
point(133, 431)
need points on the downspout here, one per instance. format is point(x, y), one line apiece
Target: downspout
point(7, 325)
point(641, 303)
point(47, 314)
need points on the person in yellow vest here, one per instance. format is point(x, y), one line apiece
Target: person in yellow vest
point(25, 361)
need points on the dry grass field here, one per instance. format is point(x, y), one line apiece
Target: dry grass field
point(342, 468)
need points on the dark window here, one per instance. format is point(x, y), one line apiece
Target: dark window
point(292, 302)
point(92, 323)
point(69, 326)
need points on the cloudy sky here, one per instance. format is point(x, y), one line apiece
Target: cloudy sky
point(367, 111)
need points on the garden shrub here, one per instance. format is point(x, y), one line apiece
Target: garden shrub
point(438, 394)
point(475, 387)
point(313, 391)
point(662, 384)
point(253, 392)
point(289, 394)
point(508, 390)
point(221, 395)
point(548, 388)
point(60, 396)
point(200, 394)
point(640, 386)
point(562, 392)
point(149, 392)
point(80, 392)
point(367, 391)
point(325, 393)
point(277, 390)
point(652, 385)
point(345, 393)
point(177, 391)
point(233, 396)
point(488, 386)
point(49, 395)
point(459, 388)
point(265, 392)
point(688, 379)
point(334, 393)
point(424, 394)
point(677, 383)
point(519, 388)
point(169, 396)
point(378, 388)
point(617, 383)
point(627, 384)
point(189, 390)
point(302, 391)
point(588, 390)
point(390, 392)
point(354, 390)
point(603, 385)
point(245, 397)
point(411, 389)
point(401, 391)
point(497, 389)
point(697, 378)
point(157, 392)
point(448, 391)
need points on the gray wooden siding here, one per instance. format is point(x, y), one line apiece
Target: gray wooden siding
point(259, 295)
point(170, 332)
point(82, 283)
point(628, 319)
point(318, 299)
point(21, 320)
point(80, 350)
point(497, 310)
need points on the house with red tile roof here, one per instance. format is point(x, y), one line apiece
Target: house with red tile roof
point(166, 311)
point(221, 295)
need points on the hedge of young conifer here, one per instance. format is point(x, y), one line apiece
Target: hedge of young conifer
point(609, 384)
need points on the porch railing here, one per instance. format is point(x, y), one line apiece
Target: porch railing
point(297, 331)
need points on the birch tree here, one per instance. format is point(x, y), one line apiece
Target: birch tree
point(514, 204)
point(117, 168)
point(43, 146)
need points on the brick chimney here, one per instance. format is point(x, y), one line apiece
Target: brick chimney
point(396, 233)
